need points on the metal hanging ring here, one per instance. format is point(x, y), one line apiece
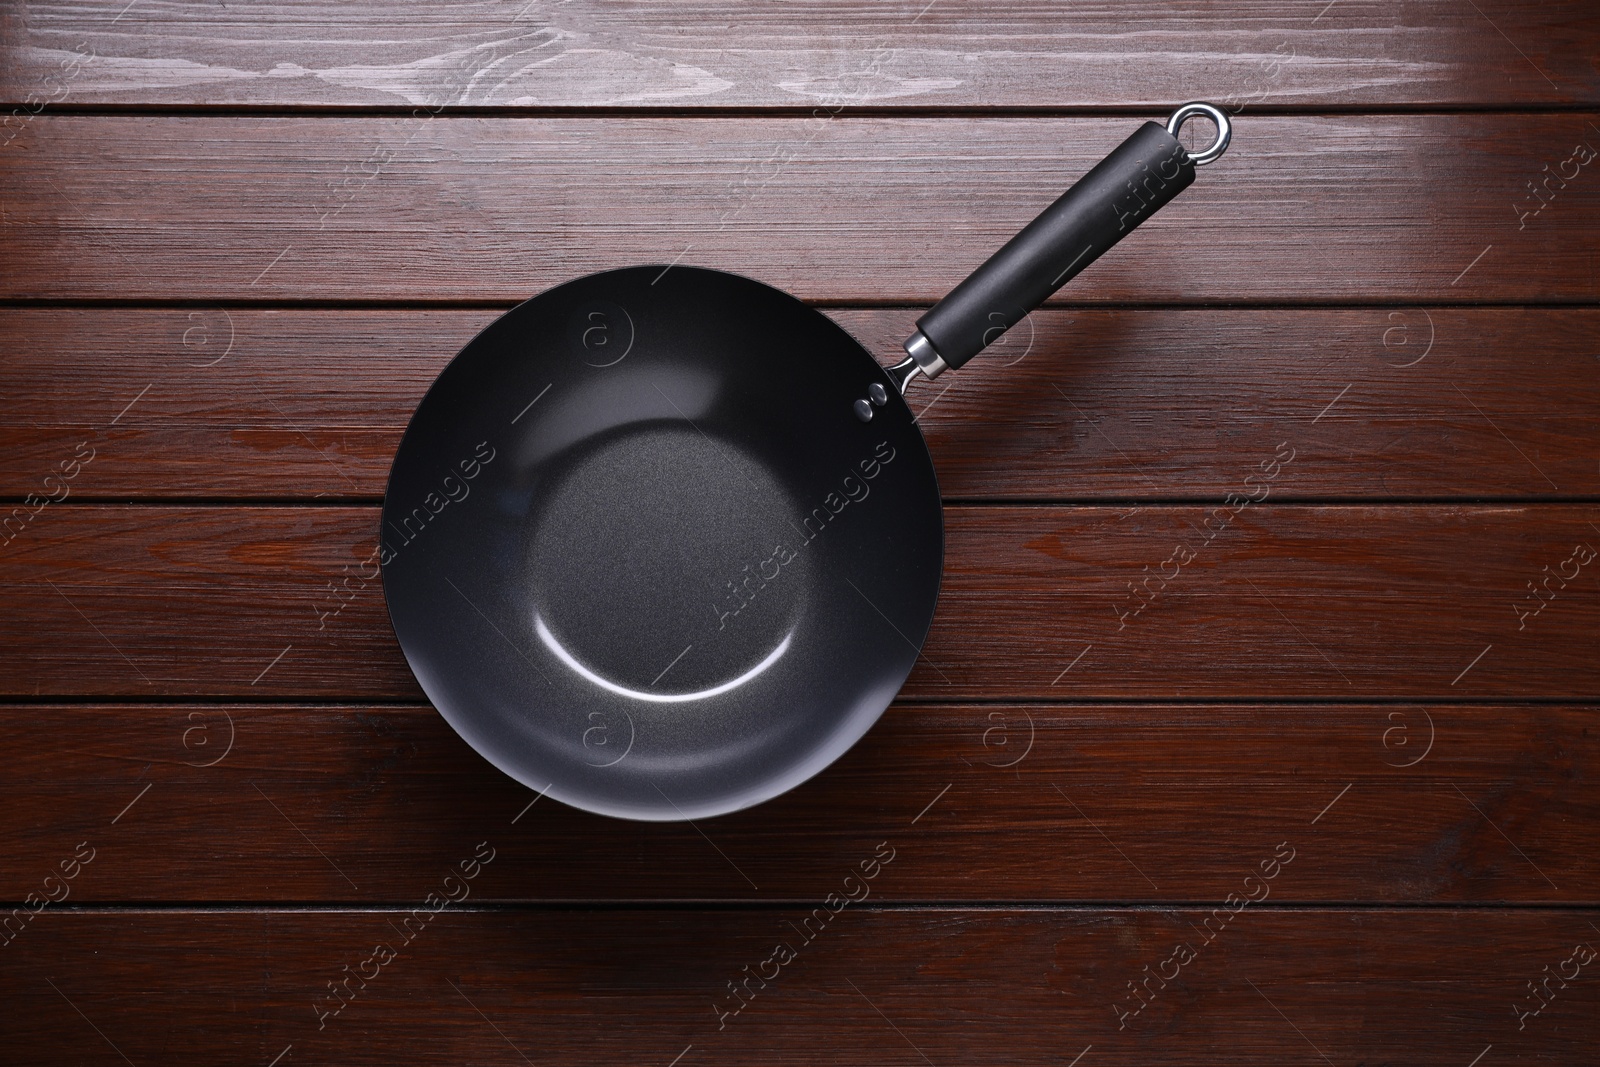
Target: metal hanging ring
point(1224, 130)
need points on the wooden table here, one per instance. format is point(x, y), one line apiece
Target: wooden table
point(1322, 787)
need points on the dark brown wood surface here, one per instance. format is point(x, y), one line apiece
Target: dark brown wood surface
point(1432, 403)
point(838, 53)
point(238, 241)
point(1318, 209)
point(1406, 804)
point(1338, 602)
point(872, 986)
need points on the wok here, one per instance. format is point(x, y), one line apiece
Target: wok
point(664, 542)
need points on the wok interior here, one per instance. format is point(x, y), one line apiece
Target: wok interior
point(683, 574)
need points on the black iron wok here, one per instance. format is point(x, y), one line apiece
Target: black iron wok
point(664, 542)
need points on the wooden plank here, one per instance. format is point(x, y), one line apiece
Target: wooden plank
point(886, 210)
point(1078, 405)
point(956, 53)
point(1238, 601)
point(870, 986)
point(1397, 804)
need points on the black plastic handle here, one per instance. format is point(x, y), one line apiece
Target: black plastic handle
point(1139, 176)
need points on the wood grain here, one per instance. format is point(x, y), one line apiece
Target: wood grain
point(874, 986)
point(956, 53)
point(1413, 209)
point(1152, 404)
point(258, 231)
point(1390, 803)
point(1331, 602)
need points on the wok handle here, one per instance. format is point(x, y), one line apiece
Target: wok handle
point(1121, 191)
